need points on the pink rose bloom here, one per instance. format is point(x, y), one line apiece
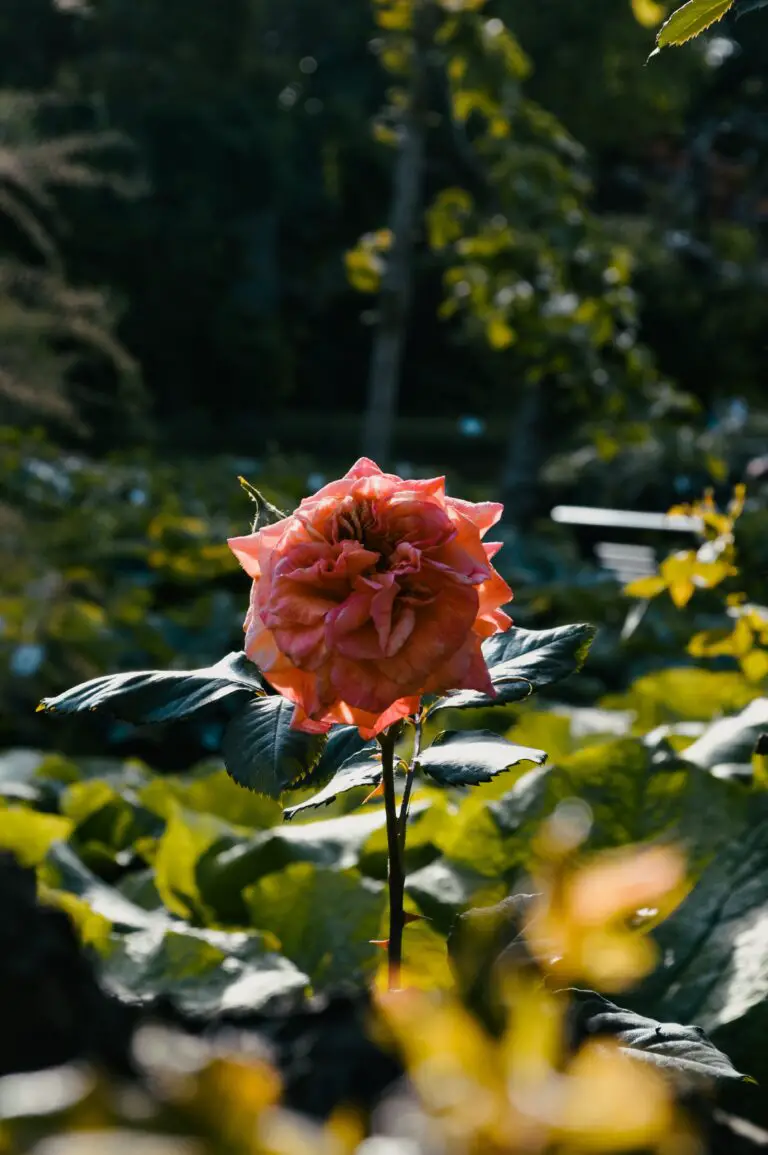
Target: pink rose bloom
point(375, 591)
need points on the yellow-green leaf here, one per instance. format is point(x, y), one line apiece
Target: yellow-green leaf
point(754, 665)
point(28, 834)
point(690, 20)
point(499, 333)
point(647, 587)
point(677, 571)
point(187, 836)
point(93, 928)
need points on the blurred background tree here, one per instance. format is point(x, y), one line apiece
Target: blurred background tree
point(253, 125)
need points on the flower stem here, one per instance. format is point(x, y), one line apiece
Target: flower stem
point(403, 819)
point(395, 856)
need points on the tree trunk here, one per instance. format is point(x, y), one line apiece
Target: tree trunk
point(395, 294)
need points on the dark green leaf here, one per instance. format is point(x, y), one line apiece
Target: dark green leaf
point(466, 758)
point(523, 661)
point(203, 972)
point(730, 740)
point(263, 753)
point(714, 947)
point(324, 919)
point(359, 770)
point(162, 695)
point(343, 743)
point(686, 1053)
point(440, 889)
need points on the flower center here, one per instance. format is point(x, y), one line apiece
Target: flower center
point(354, 522)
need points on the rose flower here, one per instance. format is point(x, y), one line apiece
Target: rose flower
point(375, 591)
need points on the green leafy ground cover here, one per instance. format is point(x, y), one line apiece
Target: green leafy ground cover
point(190, 886)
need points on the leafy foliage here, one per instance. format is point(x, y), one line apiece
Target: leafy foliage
point(163, 696)
point(459, 758)
point(324, 919)
point(685, 1052)
point(359, 770)
point(691, 20)
point(262, 752)
point(521, 661)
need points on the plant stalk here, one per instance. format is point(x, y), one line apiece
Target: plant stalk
point(396, 873)
point(403, 819)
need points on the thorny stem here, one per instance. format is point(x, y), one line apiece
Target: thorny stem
point(395, 855)
point(403, 819)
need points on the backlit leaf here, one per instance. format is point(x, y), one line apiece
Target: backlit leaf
point(324, 919)
point(29, 835)
point(690, 20)
point(186, 838)
point(334, 844)
point(648, 12)
point(93, 928)
point(646, 587)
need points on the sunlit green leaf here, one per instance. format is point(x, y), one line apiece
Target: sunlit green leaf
point(204, 973)
point(690, 20)
point(186, 838)
point(685, 693)
point(93, 928)
point(324, 919)
point(211, 792)
point(334, 844)
point(29, 835)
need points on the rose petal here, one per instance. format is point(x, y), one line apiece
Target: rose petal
point(482, 514)
point(249, 548)
point(363, 467)
point(464, 670)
